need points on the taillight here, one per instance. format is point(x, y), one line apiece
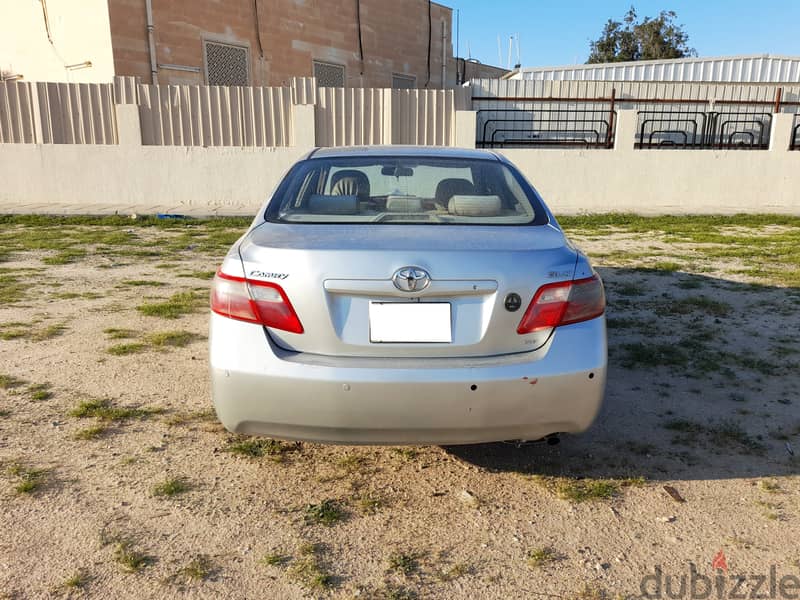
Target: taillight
point(563, 303)
point(259, 302)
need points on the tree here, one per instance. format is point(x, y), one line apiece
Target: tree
point(648, 39)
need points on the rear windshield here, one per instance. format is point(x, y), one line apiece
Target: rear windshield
point(400, 190)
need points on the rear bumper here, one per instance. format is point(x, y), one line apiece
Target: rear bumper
point(261, 389)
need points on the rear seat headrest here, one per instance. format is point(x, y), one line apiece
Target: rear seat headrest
point(448, 188)
point(333, 205)
point(404, 204)
point(475, 206)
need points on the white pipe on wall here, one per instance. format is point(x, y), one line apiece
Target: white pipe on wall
point(151, 41)
point(444, 56)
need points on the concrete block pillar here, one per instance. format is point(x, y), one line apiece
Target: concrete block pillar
point(129, 129)
point(780, 136)
point(625, 136)
point(465, 124)
point(304, 130)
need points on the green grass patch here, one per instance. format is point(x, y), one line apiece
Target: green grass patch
point(200, 274)
point(260, 447)
point(129, 558)
point(40, 391)
point(105, 410)
point(352, 463)
point(14, 330)
point(76, 581)
point(64, 257)
point(117, 333)
point(369, 503)
point(8, 382)
point(127, 348)
point(142, 283)
point(406, 453)
point(327, 513)
point(176, 339)
point(667, 266)
point(33, 331)
point(199, 568)
point(403, 563)
point(47, 333)
point(539, 557)
point(629, 289)
point(646, 354)
point(700, 224)
point(726, 435)
point(586, 490)
point(310, 574)
point(275, 559)
point(769, 486)
point(171, 487)
point(29, 480)
point(90, 433)
point(179, 304)
point(12, 290)
point(693, 304)
point(184, 418)
point(125, 222)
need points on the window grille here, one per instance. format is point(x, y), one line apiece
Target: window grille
point(328, 75)
point(226, 64)
point(403, 82)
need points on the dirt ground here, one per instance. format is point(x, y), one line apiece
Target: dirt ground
point(117, 482)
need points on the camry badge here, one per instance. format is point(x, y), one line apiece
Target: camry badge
point(411, 279)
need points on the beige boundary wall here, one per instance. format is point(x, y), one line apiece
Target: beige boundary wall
point(132, 178)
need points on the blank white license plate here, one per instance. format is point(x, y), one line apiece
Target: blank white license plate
point(410, 322)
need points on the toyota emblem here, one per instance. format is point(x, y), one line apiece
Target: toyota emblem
point(411, 279)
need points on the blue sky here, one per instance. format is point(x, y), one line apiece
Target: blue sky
point(558, 32)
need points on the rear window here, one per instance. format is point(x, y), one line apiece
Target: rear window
point(403, 190)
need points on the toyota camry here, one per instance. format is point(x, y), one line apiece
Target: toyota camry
point(406, 295)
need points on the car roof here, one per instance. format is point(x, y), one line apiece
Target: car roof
point(406, 151)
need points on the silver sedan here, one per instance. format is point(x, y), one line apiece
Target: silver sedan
point(406, 295)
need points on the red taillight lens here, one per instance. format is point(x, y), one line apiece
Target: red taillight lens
point(253, 301)
point(563, 303)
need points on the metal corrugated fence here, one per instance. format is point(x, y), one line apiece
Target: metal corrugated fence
point(77, 113)
point(494, 88)
point(732, 69)
point(63, 113)
point(355, 116)
point(352, 116)
point(16, 113)
point(195, 115)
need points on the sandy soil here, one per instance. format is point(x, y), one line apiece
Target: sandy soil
point(461, 521)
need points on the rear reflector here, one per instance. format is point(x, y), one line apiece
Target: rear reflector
point(259, 302)
point(563, 303)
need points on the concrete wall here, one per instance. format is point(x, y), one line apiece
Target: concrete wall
point(79, 32)
point(192, 180)
point(70, 179)
point(657, 182)
point(292, 35)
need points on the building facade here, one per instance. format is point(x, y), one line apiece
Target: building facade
point(353, 43)
point(55, 40)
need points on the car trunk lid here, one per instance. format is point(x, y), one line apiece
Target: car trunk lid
point(334, 276)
